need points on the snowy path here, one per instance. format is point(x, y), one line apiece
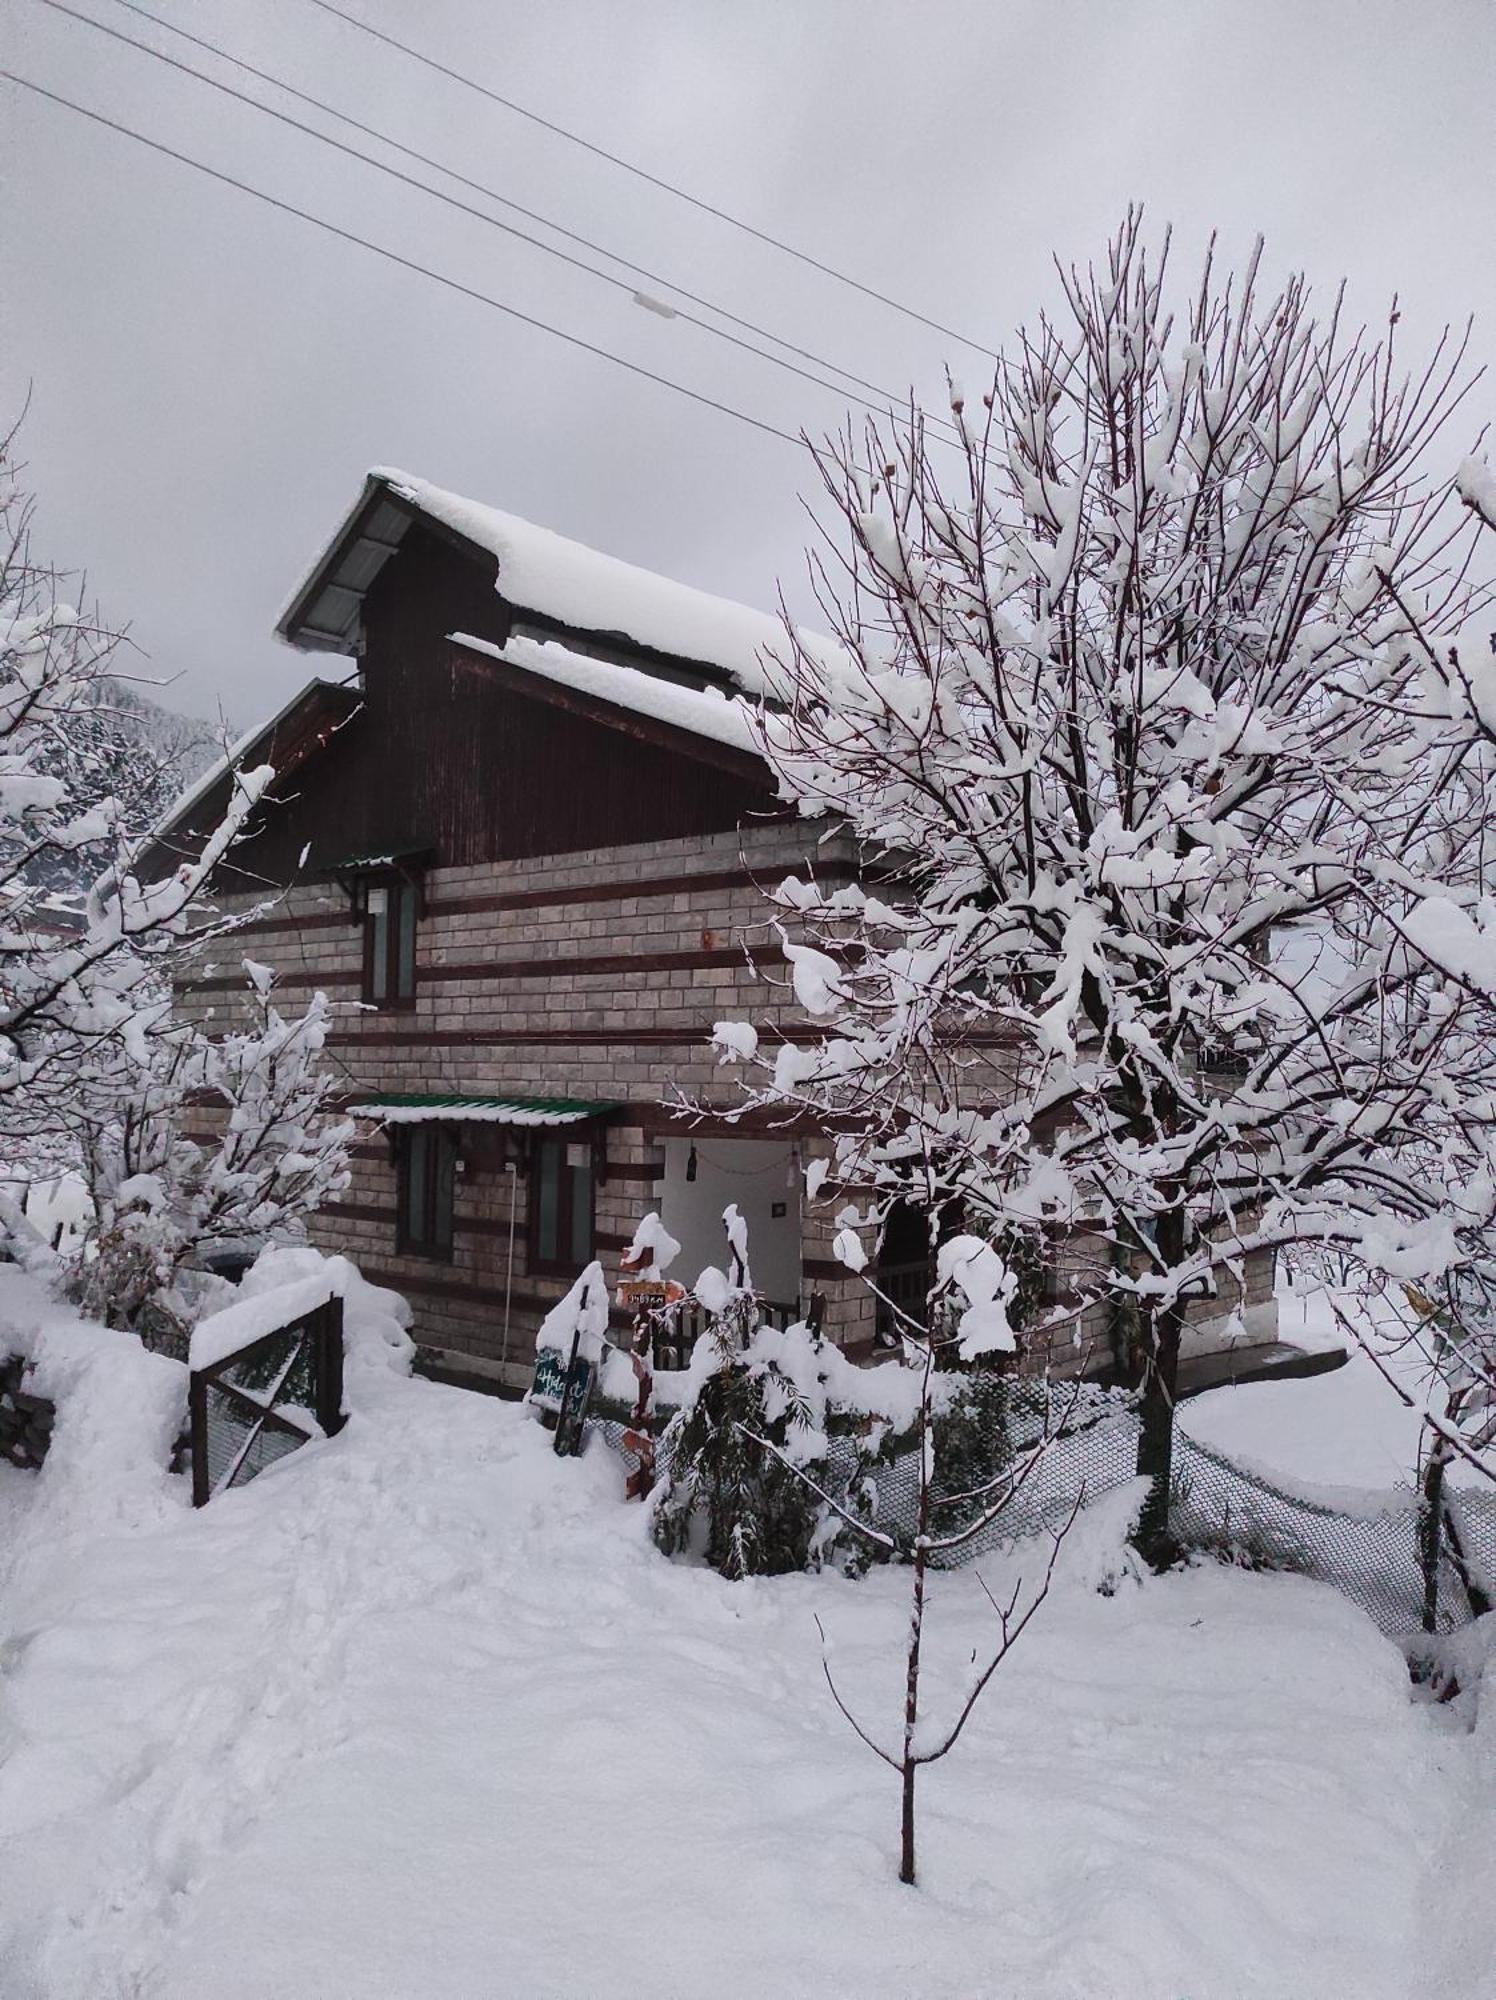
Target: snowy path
point(423, 1715)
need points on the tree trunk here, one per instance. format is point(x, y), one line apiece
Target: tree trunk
point(916, 1628)
point(906, 1849)
point(1156, 1437)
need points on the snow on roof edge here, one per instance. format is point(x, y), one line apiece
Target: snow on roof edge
point(545, 572)
point(701, 712)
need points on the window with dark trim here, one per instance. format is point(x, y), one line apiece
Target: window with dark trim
point(561, 1204)
point(428, 1173)
point(391, 906)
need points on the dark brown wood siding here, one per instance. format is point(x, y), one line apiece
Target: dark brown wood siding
point(450, 756)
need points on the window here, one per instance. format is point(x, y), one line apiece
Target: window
point(561, 1205)
point(428, 1168)
point(391, 906)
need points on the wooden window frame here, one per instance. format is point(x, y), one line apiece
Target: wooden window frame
point(401, 974)
point(565, 1259)
point(430, 1233)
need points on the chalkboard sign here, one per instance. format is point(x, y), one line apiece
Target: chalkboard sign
point(549, 1386)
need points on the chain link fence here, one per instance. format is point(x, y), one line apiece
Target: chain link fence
point(1370, 1546)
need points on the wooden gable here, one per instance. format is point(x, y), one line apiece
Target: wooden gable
point(477, 762)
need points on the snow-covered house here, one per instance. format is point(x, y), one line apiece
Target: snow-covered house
point(522, 834)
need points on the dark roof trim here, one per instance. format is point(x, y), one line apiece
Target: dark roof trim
point(292, 735)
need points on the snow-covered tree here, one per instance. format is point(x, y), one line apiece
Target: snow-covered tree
point(958, 1498)
point(164, 1200)
point(1437, 1347)
point(1160, 816)
point(123, 747)
point(81, 994)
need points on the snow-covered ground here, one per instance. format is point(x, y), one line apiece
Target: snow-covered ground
point(1344, 1429)
point(422, 1713)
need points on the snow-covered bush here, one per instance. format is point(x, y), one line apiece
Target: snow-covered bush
point(725, 1497)
point(164, 1201)
point(119, 1410)
point(774, 1455)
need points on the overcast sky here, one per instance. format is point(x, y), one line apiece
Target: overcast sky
point(210, 379)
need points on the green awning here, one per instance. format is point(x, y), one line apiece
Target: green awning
point(422, 1107)
point(365, 864)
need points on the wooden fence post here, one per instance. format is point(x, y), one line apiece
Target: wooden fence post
point(197, 1426)
point(327, 1360)
point(1430, 1530)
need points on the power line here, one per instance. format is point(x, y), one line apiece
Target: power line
point(409, 180)
point(451, 201)
point(492, 194)
point(405, 263)
point(655, 180)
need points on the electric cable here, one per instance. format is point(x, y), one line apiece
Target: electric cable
point(405, 263)
point(505, 201)
point(657, 180)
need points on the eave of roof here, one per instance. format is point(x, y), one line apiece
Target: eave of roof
point(386, 858)
point(323, 615)
point(340, 703)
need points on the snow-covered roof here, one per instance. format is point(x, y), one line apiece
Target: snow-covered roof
point(540, 572)
point(703, 712)
point(423, 1108)
point(200, 787)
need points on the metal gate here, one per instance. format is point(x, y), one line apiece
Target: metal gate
point(277, 1393)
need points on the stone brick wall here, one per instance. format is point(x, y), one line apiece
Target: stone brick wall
point(594, 976)
point(1242, 1314)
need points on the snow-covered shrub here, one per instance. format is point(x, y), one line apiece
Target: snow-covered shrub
point(119, 1410)
point(723, 1496)
point(780, 1447)
point(163, 1201)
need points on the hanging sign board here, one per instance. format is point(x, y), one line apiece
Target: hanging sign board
point(637, 1295)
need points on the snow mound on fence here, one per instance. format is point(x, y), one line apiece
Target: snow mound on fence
point(248, 1320)
point(120, 1410)
point(376, 1340)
